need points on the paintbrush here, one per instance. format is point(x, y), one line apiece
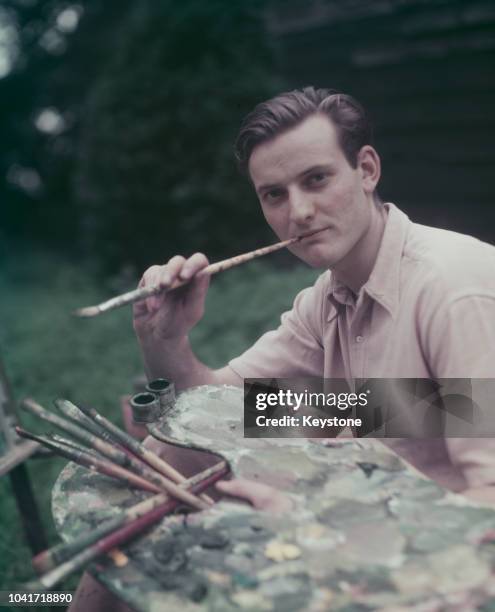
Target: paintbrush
point(133, 445)
point(70, 411)
point(74, 445)
point(49, 559)
point(118, 456)
point(118, 537)
point(105, 447)
point(91, 462)
point(74, 415)
point(93, 441)
point(142, 293)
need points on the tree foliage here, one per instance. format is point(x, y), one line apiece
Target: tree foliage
point(53, 69)
point(156, 173)
point(151, 95)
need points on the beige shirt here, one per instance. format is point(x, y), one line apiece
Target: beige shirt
point(426, 311)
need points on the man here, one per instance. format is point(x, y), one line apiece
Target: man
point(397, 299)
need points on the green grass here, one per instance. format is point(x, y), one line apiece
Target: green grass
point(48, 353)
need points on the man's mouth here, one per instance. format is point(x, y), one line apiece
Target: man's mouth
point(313, 234)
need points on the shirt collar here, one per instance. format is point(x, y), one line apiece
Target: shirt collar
point(384, 281)
point(340, 294)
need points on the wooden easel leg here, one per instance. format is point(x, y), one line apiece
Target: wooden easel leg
point(26, 503)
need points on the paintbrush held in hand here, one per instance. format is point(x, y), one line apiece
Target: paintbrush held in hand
point(148, 466)
point(144, 292)
point(115, 444)
point(49, 559)
point(115, 533)
point(149, 457)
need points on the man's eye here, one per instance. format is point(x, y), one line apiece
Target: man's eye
point(319, 177)
point(273, 194)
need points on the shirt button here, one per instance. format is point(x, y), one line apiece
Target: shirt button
point(359, 339)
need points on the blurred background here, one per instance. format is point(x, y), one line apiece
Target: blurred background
point(117, 122)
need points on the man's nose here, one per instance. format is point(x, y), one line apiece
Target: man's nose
point(302, 208)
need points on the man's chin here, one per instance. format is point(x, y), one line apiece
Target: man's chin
point(317, 260)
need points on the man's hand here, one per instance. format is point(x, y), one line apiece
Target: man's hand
point(171, 315)
point(260, 496)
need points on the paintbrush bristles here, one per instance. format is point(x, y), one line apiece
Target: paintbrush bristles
point(92, 462)
point(83, 435)
point(69, 410)
point(108, 449)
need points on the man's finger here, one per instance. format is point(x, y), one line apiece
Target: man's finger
point(150, 278)
point(196, 262)
point(259, 495)
point(246, 489)
point(197, 290)
point(174, 267)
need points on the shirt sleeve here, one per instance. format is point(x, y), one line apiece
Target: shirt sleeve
point(461, 338)
point(464, 347)
point(295, 348)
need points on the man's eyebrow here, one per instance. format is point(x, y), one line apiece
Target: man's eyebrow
point(317, 168)
point(305, 172)
point(267, 187)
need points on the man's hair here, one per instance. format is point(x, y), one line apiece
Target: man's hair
point(287, 110)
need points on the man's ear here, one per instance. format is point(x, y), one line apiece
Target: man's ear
point(369, 164)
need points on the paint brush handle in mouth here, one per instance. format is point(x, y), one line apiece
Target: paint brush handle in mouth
point(142, 293)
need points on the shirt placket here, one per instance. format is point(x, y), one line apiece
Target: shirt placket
point(357, 339)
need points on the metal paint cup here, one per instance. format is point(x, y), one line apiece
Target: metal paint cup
point(165, 390)
point(145, 408)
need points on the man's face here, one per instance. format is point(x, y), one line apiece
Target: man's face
point(304, 182)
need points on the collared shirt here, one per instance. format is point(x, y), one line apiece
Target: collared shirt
point(426, 311)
